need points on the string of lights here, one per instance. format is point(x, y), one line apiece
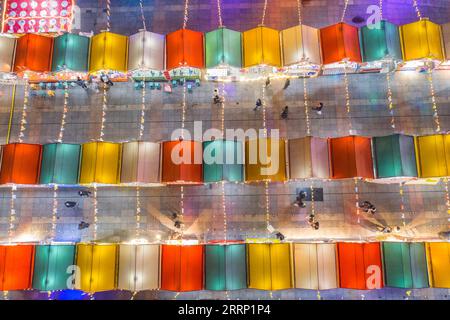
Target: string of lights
point(380, 5)
point(142, 118)
point(356, 188)
point(12, 213)
point(108, 15)
point(264, 13)
point(347, 102)
point(267, 199)
point(23, 119)
point(138, 212)
point(104, 108)
point(263, 100)
point(417, 9)
point(402, 203)
point(219, 14)
point(447, 197)
point(186, 13)
point(390, 101)
point(434, 105)
point(141, 6)
point(54, 212)
point(305, 103)
point(95, 226)
point(64, 114)
point(222, 118)
point(344, 11)
point(299, 11)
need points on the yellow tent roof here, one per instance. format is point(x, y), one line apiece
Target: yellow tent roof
point(109, 51)
point(433, 155)
point(438, 258)
point(100, 163)
point(261, 45)
point(265, 159)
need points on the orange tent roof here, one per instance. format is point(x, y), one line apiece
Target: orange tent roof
point(182, 268)
point(16, 267)
point(21, 163)
point(184, 48)
point(33, 53)
point(340, 41)
point(187, 172)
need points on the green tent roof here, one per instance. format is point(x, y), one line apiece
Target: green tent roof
point(60, 162)
point(72, 51)
point(379, 42)
point(225, 267)
point(221, 149)
point(405, 265)
point(223, 46)
point(50, 266)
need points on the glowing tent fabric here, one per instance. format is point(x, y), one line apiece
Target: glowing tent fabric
point(308, 158)
point(217, 166)
point(265, 159)
point(184, 48)
point(60, 162)
point(108, 52)
point(16, 267)
point(405, 265)
point(97, 263)
point(146, 51)
point(315, 266)
point(51, 266)
point(433, 155)
point(7, 50)
point(261, 46)
point(360, 265)
point(438, 257)
point(380, 42)
point(301, 44)
point(225, 267)
point(100, 163)
point(21, 163)
point(182, 162)
point(351, 157)
point(269, 266)
point(223, 47)
point(70, 52)
point(181, 268)
point(138, 267)
point(394, 156)
point(340, 42)
point(33, 53)
point(140, 162)
point(421, 40)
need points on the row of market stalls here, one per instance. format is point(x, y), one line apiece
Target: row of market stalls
point(300, 50)
point(263, 266)
point(385, 159)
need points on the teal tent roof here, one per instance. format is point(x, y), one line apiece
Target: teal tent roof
point(394, 156)
point(405, 265)
point(223, 46)
point(378, 42)
point(60, 162)
point(227, 170)
point(72, 51)
point(225, 267)
point(50, 266)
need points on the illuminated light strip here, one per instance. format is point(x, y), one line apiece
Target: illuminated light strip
point(142, 120)
point(264, 110)
point(141, 5)
point(12, 213)
point(108, 15)
point(402, 203)
point(224, 207)
point(355, 180)
point(23, 120)
point(264, 13)
point(266, 191)
point(219, 14)
point(95, 212)
point(345, 11)
point(138, 212)
point(390, 102)
point(182, 210)
point(433, 101)
point(347, 101)
point(104, 108)
point(183, 109)
point(64, 115)
point(299, 11)
point(186, 13)
point(381, 9)
point(54, 212)
point(305, 102)
point(447, 197)
point(416, 7)
point(222, 109)
point(313, 207)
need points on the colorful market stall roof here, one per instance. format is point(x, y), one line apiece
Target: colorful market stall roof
point(225, 267)
point(394, 156)
point(301, 44)
point(52, 267)
point(405, 265)
point(7, 51)
point(182, 162)
point(308, 158)
point(109, 52)
point(140, 162)
point(265, 159)
point(421, 40)
point(261, 46)
point(33, 53)
point(433, 155)
point(182, 267)
point(340, 42)
point(60, 162)
point(315, 266)
point(16, 267)
point(438, 257)
point(360, 265)
point(97, 267)
point(70, 52)
point(138, 267)
point(184, 48)
point(223, 161)
point(21, 163)
point(100, 163)
point(269, 266)
point(380, 41)
point(351, 157)
point(223, 48)
point(146, 51)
